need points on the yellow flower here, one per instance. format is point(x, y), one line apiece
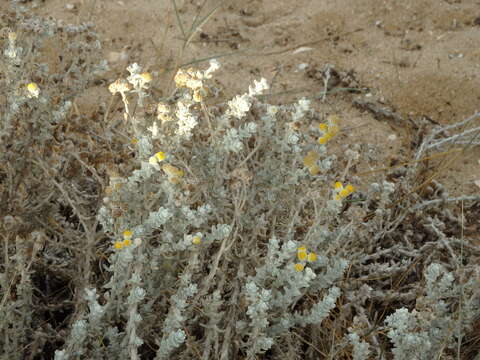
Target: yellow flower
point(127, 234)
point(312, 257)
point(329, 129)
point(118, 245)
point(323, 127)
point(146, 77)
point(155, 159)
point(299, 267)
point(160, 156)
point(196, 240)
point(33, 90)
point(127, 242)
point(343, 193)
point(302, 253)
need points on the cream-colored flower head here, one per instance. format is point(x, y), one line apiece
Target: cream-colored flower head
point(119, 86)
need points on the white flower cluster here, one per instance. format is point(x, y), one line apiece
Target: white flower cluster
point(136, 79)
point(139, 81)
point(186, 119)
point(240, 105)
point(301, 108)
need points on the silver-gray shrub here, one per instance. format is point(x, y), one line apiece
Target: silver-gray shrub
point(197, 238)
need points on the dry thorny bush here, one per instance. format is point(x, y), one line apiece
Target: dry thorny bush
point(403, 236)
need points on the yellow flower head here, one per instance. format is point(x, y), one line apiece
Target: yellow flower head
point(312, 257)
point(299, 267)
point(302, 253)
point(329, 129)
point(197, 240)
point(343, 192)
point(322, 140)
point(33, 90)
point(118, 245)
point(350, 188)
point(160, 156)
point(146, 77)
point(127, 242)
point(323, 127)
point(127, 234)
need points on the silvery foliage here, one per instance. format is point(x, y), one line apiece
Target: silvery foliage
point(431, 325)
point(406, 337)
point(275, 287)
point(361, 349)
point(173, 334)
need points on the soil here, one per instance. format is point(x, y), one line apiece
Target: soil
point(393, 64)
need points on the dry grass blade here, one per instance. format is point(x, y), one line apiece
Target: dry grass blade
point(197, 25)
point(179, 21)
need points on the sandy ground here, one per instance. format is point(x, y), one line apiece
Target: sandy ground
point(416, 59)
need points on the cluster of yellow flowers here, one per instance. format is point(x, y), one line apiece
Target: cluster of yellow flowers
point(341, 191)
point(329, 129)
point(174, 174)
point(127, 240)
point(304, 256)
